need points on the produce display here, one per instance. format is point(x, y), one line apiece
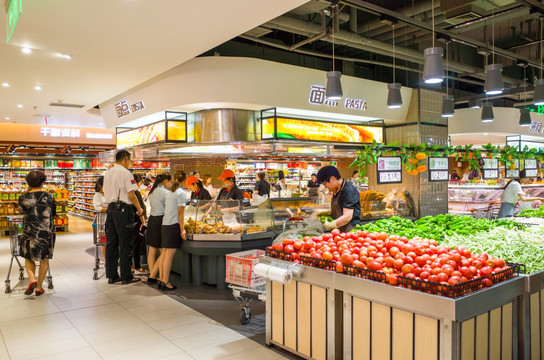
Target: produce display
point(199, 227)
point(526, 247)
point(417, 263)
point(437, 227)
point(537, 213)
point(370, 197)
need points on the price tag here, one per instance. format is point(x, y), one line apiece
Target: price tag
point(530, 164)
point(512, 174)
point(387, 163)
point(491, 163)
point(49, 175)
point(17, 183)
point(531, 172)
point(438, 175)
point(389, 177)
point(436, 163)
point(490, 173)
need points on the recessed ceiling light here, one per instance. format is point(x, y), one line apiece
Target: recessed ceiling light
point(5, 84)
point(66, 56)
point(485, 134)
point(26, 50)
point(37, 87)
point(7, 118)
point(19, 106)
point(100, 124)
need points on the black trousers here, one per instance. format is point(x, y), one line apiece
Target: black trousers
point(138, 241)
point(119, 224)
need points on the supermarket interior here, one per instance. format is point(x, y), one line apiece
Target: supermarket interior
point(375, 172)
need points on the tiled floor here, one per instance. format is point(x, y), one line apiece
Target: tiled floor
point(85, 319)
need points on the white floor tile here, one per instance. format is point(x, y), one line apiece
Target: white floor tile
point(175, 321)
point(191, 329)
point(210, 338)
point(129, 344)
point(258, 352)
point(119, 334)
point(226, 348)
point(47, 349)
point(151, 351)
point(85, 353)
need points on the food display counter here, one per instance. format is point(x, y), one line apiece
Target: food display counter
point(322, 314)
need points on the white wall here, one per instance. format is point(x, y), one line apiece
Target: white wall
point(247, 83)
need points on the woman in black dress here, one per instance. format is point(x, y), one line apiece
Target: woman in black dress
point(38, 238)
point(139, 229)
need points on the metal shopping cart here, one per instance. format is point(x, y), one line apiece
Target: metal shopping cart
point(15, 230)
point(245, 285)
point(99, 239)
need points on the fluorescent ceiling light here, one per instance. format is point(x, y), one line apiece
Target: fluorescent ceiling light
point(7, 118)
point(206, 149)
point(37, 87)
point(26, 50)
point(19, 106)
point(5, 84)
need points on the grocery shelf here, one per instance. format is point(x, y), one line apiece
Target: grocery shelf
point(82, 215)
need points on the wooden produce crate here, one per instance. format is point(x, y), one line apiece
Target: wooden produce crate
point(531, 324)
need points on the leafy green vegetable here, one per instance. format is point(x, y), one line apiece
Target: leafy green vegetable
point(536, 213)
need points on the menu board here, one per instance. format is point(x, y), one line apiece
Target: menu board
point(438, 169)
point(298, 129)
point(389, 170)
point(170, 130)
point(490, 169)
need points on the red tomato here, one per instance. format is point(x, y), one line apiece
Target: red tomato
point(364, 233)
point(420, 261)
point(457, 273)
point(456, 257)
point(454, 280)
point(417, 271)
point(436, 270)
point(317, 255)
point(381, 236)
point(424, 275)
point(327, 255)
point(491, 262)
point(288, 241)
point(442, 277)
point(358, 264)
point(486, 271)
point(394, 250)
point(309, 244)
point(298, 244)
point(335, 232)
point(477, 264)
point(389, 262)
point(374, 265)
point(346, 259)
point(447, 269)
point(289, 248)
point(404, 239)
point(420, 250)
point(398, 264)
point(501, 263)
point(406, 248)
point(408, 260)
point(488, 282)
point(407, 268)
point(339, 266)
point(391, 279)
point(452, 263)
point(433, 278)
point(355, 256)
point(278, 246)
point(465, 271)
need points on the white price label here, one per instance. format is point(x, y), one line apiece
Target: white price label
point(17, 183)
point(531, 172)
point(438, 163)
point(530, 164)
point(439, 175)
point(491, 163)
point(389, 163)
point(491, 174)
point(390, 177)
point(512, 174)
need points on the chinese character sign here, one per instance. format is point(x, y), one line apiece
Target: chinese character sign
point(317, 94)
point(122, 108)
point(60, 132)
point(318, 97)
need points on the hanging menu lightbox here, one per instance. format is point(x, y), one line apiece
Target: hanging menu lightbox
point(438, 169)
point(513, 173)
point(531, 168)
point(389, 170)
point(490, 169)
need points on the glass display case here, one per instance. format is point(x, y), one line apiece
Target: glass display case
point(465, 199)
point(228, 220)
point(375, 204)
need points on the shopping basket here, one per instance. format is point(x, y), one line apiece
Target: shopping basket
point(15, 230)
point(99, 239)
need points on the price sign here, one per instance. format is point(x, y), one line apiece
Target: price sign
point(386, 163)
point(438, 163)
point(389, 177)
point(438, 175)
point(49, 174)
point(491, 173)
point(17, 183)
point(531, 172)
point(512, 174)
point(491, 163)
point(530, 164)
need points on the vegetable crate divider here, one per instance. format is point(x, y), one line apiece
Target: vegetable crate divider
point(531, 322)
point(372, 320)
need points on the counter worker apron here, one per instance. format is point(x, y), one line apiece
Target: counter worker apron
point(337, 210)
point(119, 222)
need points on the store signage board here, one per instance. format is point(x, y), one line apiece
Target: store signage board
point(176, 131)
point(317, 97)
point(161, 131)
point(531, 172)
point(313, 130)
point(491, 163)
point(122, 108)
point(530, 164)
point(438, 163)
point(510, 174)
point(13, 13)
point(439, 175)
point(389, 170)
point(490, 174)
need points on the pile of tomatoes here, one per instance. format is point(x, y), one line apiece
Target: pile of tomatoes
point(394, 255)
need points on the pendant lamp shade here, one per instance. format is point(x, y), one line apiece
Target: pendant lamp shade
point(525, 117)
point(493, 79)
point(487, 112)
point(334, 86)
point(447, 106)
point(433, 72)
point(538, 96)
point(394, 99)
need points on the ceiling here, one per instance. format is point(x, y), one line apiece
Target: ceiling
point(114, 45)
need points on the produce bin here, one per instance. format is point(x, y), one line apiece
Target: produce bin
point(326, 315)
point(532, 318)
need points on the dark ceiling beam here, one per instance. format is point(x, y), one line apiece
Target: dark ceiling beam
point(364, 5)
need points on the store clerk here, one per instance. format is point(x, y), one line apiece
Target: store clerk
point(345, 204)
point(197, 190)
point(229, 191)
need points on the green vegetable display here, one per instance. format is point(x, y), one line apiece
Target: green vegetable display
point(536, 213)
point(437, 227)
point(327, 218)
point(525, 247)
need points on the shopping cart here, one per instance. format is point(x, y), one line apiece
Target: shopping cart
point(15, 230)
point(245, 285)
point(99, 239)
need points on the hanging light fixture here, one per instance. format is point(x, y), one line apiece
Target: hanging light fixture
point(394, 98)
point(524, 114)
point(538, 96)
point(433, 72)
point(333, 90)
point(493, 72)
point(487, 112)
point(448, 107)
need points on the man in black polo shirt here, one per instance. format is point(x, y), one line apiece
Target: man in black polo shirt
point(262, 187)
point(345, 204)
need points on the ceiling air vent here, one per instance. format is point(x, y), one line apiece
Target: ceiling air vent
point(67, 105)
point(460, 11)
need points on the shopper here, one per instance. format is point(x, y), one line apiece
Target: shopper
point(354, 177)
point(38, 238)
point(119, 188)
point(454, 175)
point(196, 174)
point(313, 187)
point(262, 187)
point(173, 230)
point(157, 199)
point(207, 184)
point(229, 191)
point(345, 205)
point(99, 203)
point(138, 231)
point(513, 193)
point(280, 184)
point(197, 190)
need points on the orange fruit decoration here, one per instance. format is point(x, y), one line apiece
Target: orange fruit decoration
point(421, 168)
point(421, 156)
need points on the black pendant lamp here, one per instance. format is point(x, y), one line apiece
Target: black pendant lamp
point(394, 98)
point(333, 91)
point(487, 112)
point(493, 72)
point(433, 71)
